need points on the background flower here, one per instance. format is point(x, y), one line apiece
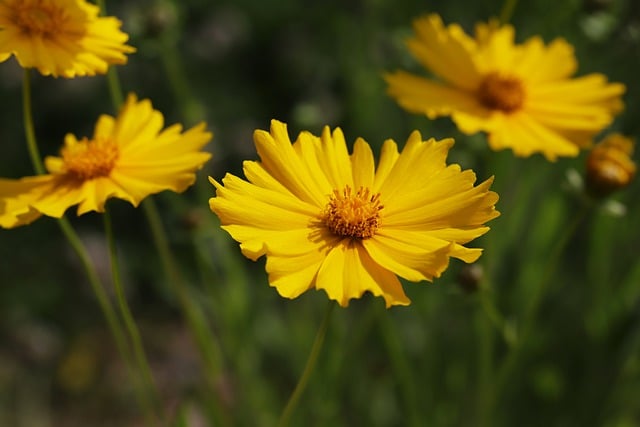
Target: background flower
point(61, 37)
point(523, 96)
point(329, 220)
point(128, 157)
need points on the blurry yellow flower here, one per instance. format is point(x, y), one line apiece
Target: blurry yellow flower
point(521, 95)
point(329, 220)
point(609, 165)
point(129, 157)
point(61, 37)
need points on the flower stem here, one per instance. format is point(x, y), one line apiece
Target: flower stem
point(179, 81)
point(401, 367)
point(206, 342)
point(29, 129)
point(507, 11)
point(528, 319)
point(151, 396)
point(193, 313)
point(78, 247)
point(98, 288)
point(292, 403)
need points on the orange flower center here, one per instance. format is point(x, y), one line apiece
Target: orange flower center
point(355, 215)
point(503, 93)
point(90, 159)
point(38, 18)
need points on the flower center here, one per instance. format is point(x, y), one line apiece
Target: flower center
point(499, 92)
point(36, 18)
point(355, 215)
point(90, 159)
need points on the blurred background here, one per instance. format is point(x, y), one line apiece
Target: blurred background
point(238, 64)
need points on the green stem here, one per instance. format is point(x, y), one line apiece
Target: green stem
point(179, 82)
point(197, 321)
point(285, 417)
point(113, 80)
point(76, 244)
point(402, 369)
point(495, 317)
point(193, 313)
point(507, 11)
point(98, 288)
point(115, 90)
point(207, 344)
point(528, 319)
point(29, 128)
point(484, 353)
point(151, 396)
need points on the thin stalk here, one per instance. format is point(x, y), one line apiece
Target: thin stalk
point(401, 367)
point(195, 318)
point(484, 358)
point(193, 313)
point(113, 80)
point(98, 288)
point(142, 363)
point(179, 81)
point(507, 11)
point(117, 99)
point(78, 247)
point(528, 319)
point(309, 367)
point(29, 128)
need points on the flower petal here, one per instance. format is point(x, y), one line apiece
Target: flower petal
point(414, 256)
point(348, 272)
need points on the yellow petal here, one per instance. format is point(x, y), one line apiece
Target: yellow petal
point(525, 137)
point(348, 272)
point(281, 161)
point(363, 165)
point(293, 275)
point(414, 256)
point(423, 96)
point(388, 157)
point(446, 52)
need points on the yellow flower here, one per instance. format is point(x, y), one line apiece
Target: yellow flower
point(61, 37)
point(129, 157)
point(522, 96)
point(329, 220)
point(609, 165)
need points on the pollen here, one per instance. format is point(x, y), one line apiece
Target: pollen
point(502, 93)
point(35, 17)
point(88, 159)
point(355, 215)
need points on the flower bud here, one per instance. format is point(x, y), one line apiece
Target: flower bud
point(609, 165)
point(470, 277)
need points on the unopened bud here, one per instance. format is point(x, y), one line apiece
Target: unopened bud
point(470, 277)
point(609, 165)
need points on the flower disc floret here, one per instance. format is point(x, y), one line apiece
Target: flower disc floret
point(501, 93)
point(353, 215)
point(89, 159)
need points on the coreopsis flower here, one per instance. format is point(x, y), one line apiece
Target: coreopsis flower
point(609, 165)
point(521, 95)
point(61, 37)
point(129, 157)
point(329, 220)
